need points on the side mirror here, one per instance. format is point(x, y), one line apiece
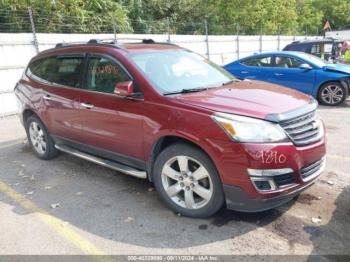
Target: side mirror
point(305, 67)
point(124, 89)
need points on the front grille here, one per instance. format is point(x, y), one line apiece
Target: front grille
point(310, 171)
point(285, 179)
point(303, 130)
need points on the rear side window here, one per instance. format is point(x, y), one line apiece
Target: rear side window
point(298, 47)
point(37, 68)
point(315, 49)
point(103, 74)
point(259, 61)
point(57, 70)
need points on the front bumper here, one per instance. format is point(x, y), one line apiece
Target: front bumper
point(240, 191)
point(238, 200)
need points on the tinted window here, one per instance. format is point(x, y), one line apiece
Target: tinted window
point(315, 49)
point(38, 68)
point(103, 74)
point(298, 47)
point(259, 61)
point(58, 70)
point(287, 62)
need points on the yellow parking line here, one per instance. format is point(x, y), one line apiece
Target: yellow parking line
point(339, 157)
point(57, 225)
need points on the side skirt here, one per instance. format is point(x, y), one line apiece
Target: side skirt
point(103, 162)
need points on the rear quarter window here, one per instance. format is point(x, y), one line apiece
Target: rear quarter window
point(38, 69)
point(57, 70)
point(298, 47)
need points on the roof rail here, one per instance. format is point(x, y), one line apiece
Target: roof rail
point(114, 41)
point(68, 44)
point(110, 41)
point(148, 41)
point(145, 41)
point(101, 41)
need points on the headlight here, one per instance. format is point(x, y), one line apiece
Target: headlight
point(247, 129)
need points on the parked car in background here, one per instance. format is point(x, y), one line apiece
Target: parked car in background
point(325, 48)
point(159, 112)
point(328, 83)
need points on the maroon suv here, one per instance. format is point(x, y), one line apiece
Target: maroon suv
point(160, 112)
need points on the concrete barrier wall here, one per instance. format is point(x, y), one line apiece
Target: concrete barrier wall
point(17, 49)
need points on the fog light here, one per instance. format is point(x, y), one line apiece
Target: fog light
point(263, 179)
point(263, 184)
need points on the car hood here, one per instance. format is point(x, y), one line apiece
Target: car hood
point(339, 68)
point(249, 98)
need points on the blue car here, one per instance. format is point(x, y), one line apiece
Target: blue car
point(328, 83)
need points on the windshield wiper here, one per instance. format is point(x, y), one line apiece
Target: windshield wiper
point(199, 89)
point(231, 81)
point(184, 91)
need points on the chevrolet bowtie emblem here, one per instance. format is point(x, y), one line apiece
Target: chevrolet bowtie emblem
point(314, 124)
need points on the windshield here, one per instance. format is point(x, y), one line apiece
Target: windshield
point(174, 71)
point(314, 59)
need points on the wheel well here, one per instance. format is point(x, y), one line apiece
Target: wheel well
point(163, 143)
point(326, 82)
point(27, 113)
point(339, 81)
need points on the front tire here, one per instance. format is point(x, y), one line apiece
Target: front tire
point(187, 181)
point(332, 94)
point(39, 139)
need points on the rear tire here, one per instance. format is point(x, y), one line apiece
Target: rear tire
point(332, 94)
point(39, 139)
point(187, 181)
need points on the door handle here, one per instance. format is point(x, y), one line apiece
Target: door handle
point(244, 72)
point(87, 105)
point(47, 97)
point(278, 74)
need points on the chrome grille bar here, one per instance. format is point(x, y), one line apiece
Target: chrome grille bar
point(313, 170)
point(303, 130)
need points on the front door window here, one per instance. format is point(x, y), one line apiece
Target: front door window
point(103, 74)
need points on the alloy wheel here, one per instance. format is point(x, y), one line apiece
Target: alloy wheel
point(37, 138)
point(332, 94)
point(187, 182)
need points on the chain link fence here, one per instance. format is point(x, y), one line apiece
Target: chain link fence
point(23, 33)
point(25, 21)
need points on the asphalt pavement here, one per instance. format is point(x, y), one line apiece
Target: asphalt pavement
point(70, 206)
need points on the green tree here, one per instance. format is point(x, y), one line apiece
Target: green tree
point(337, 12)
point(181, 16)
point(64, 15)
point(184, 16)
point(252, 16)
point(309, 17)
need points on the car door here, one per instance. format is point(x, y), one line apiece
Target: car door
point(112, 125)
point(59, 79)
point(256, 68)
point(287, 72)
